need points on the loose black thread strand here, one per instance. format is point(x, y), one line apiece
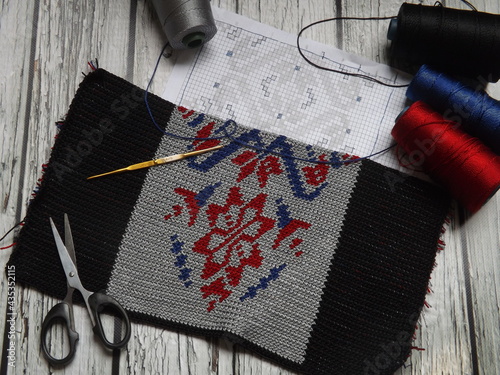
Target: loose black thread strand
point(358, 75)
point(469, 5)
point(439, 3)
point(10, 230)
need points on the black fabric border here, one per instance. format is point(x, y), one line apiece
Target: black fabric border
point(379, 275)
point(106, 110)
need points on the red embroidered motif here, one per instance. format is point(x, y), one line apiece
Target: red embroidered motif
point(205, 132)
point(296, 242)
point(186, 115)
point(270, 165)
point(177, 211)
point(217, 287)
point(192, 204)
point(288, 230)
point(248, 161)
point(236, 227)
point(247, 167)
point(316, 175)
point(232, 244)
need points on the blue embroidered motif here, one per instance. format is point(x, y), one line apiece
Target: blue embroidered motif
point(280, 145)
point(297, 185)
point(203, 196)
point(217, 156)
point(181, 260)
point(274, 273)
point(283, 214)
point(197, 121)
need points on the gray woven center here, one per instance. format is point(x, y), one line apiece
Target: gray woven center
point(236, 240)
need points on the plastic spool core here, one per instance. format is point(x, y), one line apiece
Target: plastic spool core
point(402, 113)
point(393, 29)
point(194, 40)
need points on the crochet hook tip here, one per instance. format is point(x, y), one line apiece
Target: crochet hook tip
point(106, 174)
point(159, 161)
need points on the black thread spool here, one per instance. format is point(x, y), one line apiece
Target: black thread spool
point(461, 42)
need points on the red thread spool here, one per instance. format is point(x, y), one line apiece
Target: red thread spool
point(463, 164)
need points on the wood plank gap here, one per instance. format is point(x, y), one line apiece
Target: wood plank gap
point(20, 201)
point(115, 364)
point(131, 41)
point(31, 75)
point(468, 294)
point(340, 25)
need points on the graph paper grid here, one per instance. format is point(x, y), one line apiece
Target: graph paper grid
point(254, 75)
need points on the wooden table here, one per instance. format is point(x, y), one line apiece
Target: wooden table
point(44, 47)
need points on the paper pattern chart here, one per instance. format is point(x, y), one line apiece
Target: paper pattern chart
point(254, 74)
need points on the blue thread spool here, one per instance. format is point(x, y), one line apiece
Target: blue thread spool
point(477, 112)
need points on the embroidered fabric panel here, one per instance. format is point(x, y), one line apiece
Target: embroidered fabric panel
point(316, 267)
point(227, 236)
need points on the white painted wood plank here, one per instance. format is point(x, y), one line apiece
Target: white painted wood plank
point(443, 331)
point(481, 233)
point(369, 38)
point(71, 33)
point(149, 40)
point(328, 33)
point(15, 44)
point(63, 45)
point(482, 236)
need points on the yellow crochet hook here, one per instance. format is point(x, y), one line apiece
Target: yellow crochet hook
point(150, 163)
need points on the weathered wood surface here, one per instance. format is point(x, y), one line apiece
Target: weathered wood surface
point(45, 45)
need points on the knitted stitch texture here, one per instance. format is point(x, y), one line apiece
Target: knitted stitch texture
point(322, 268)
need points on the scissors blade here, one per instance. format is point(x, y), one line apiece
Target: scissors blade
point(69, 267)
point(68, 239)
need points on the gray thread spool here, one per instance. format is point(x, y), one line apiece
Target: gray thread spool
point(186, 23)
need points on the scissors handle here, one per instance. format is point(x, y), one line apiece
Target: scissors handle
point(98, 302)
point(62, 312)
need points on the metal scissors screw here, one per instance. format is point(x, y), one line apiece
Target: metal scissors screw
point(95, 302)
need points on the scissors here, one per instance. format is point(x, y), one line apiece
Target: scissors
point(95, 302)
